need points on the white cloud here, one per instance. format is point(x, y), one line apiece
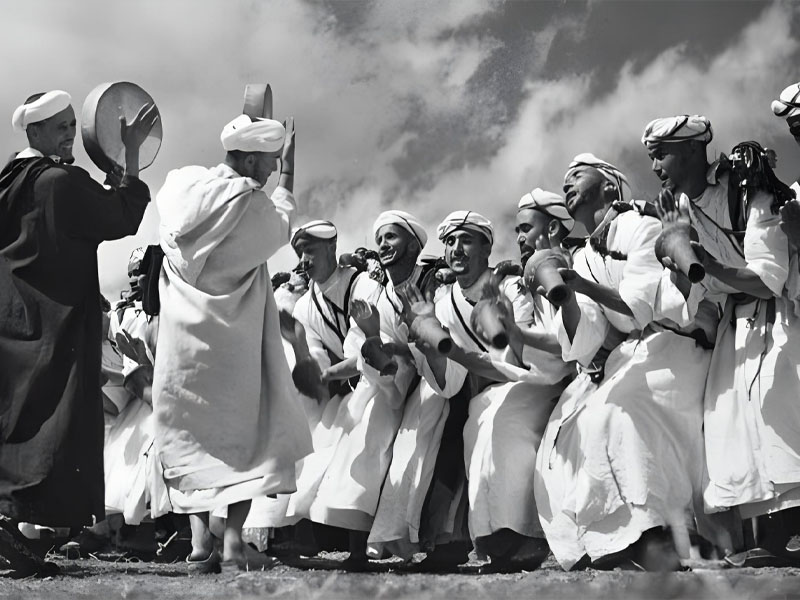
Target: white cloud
point(388, 108)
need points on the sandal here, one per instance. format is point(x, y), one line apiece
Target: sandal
point(208, 566)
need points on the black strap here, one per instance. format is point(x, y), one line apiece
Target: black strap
point(335, 309)
point(464, 324)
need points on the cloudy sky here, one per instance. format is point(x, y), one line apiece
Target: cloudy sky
point(429, 106)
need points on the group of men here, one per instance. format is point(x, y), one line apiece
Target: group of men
point(606, 399)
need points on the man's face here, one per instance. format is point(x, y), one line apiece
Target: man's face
point(671, 161)
point(55, 136)
point(531, 232)
point(319, 257)
point(393, 244)
point(794, 127)
point(266, 163)
point(466, 253)
point(583, 192)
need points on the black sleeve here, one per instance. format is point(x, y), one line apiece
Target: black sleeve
point(87, 210)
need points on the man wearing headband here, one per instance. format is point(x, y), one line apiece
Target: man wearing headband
point(621, 458)
point(55, 216)
point(542, 220)
point(400, 525)
point(329, 487)
point(506, 412)
point(228, 425)
point(751, 419)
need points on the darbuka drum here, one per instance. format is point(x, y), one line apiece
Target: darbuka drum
point(100, 127)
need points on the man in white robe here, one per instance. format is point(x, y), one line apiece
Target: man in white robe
point(400, 238)
point(621, 457)
point(752, 418)
point(508, 405)
point(330, 485)
point(229, 427)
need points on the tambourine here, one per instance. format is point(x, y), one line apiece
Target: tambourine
point(258, 101)
point(100, 127)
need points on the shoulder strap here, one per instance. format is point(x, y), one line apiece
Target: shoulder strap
point(466, 327)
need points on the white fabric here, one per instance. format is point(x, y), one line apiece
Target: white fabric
point(403, 219)
point(622, 457)
point(249, 135)
point(788, 103)
point(133, 476)
point(504, 426)
point(549, 203)
point(752, 418)
point(336, 484)
point(43, 108)
point(319, 228)
point(468, 220)
point(606, 169)
point(397, 522)
point(228, 423)
point(677, 129)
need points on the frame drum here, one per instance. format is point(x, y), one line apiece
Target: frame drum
point(258, 101)
point(100, 128)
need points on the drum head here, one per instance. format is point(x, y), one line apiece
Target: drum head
point(100, 127)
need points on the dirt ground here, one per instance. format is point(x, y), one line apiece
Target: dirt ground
point(320, 578)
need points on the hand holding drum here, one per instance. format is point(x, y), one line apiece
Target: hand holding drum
point(423, 326)
point(542, 276)
point(673, 245)
point(376, 356)
point(121, 128)
point(487, 320)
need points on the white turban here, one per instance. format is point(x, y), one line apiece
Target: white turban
point(677, 129)
point(548, 203)
point(788, 104)
point(43, 108)
point(319, 229)
point(607, 170)
point(248, 135)
point(403, 219)
point(467, 220)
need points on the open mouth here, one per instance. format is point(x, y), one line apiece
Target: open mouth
point(525, 252)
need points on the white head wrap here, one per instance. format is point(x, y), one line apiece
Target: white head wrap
point(548, 203)
point(467, 220)
point(402, 219)
point(677, 129)
point(788, 104)
point(248, 135)
point(319, 229)
point(43, 108)
point(607, 170)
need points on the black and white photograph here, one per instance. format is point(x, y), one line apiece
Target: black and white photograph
point(409, 299)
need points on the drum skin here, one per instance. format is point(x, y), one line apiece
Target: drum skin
point(100, 127)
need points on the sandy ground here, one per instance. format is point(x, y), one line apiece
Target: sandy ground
point(320, 578)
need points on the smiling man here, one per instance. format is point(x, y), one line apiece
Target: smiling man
point(508, 405)
point(53, 218)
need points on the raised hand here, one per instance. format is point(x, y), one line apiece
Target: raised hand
point(366, 317)
point(287, 155)
point(134, 134)
point(670, 209)
point(133, 348)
